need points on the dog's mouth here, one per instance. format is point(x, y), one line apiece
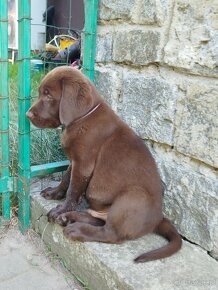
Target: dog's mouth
point(42, 123)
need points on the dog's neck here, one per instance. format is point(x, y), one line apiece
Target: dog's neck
point(82, 117)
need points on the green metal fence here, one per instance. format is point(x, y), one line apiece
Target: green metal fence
point(4, 111)
point(20, 181)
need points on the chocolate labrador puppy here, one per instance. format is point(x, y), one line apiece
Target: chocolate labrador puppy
point(110, 164)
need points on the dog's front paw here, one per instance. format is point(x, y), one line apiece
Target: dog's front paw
point(64, 219)
point(52, 193)
point(55, 212)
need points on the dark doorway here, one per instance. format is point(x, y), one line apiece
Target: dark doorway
point(63, 16)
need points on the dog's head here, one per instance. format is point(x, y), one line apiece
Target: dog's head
point(65, 94)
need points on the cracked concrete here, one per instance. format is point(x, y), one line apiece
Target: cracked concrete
point(105, 266)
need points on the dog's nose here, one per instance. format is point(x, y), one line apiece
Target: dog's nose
point(29, 114)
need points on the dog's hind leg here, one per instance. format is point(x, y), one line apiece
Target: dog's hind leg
point(132, 215)
point(88, 233)
point(75, 216)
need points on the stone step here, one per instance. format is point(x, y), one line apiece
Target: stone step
point(105, 266)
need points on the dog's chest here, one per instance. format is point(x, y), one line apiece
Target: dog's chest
point(74, 142)
point(68, 144)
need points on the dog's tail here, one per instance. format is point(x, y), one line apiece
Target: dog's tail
point(167, 230)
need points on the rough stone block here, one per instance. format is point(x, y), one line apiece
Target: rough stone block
point(104, 44)
point(196, 131)
point(150, 12)
point(193, 37)
point(139, 12)
point(191, 201)
point(108, 83)
point(137, 46)
point(115, 9)
point(106, 266)
point(149, 106)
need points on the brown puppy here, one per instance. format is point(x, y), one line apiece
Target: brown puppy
point(109, 163)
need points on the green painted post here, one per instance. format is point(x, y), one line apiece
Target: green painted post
point(4, 110)
point(91, 15)
point(23, 106)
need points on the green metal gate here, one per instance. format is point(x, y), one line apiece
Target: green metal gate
point(20, 184)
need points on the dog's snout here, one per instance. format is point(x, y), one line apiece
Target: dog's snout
point(29, 114)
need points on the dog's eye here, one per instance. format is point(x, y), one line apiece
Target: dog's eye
point(49, 97)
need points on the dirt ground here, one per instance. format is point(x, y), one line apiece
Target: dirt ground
point(26, 263)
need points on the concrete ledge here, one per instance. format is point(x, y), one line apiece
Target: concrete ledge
point(104, 266)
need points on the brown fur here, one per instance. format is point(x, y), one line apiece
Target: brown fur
point(109, 163)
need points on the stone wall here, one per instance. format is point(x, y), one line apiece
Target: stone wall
point(157, 65)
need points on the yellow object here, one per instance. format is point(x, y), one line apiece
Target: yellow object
point(60, 41)
point(65, 42)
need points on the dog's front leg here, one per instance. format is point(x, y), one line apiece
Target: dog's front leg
point(78, 183)
point(59, 191)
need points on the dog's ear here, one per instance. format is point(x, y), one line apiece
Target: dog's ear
point(76, 100)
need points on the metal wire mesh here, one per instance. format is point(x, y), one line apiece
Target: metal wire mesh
point(57, 20)
point(57, 42)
